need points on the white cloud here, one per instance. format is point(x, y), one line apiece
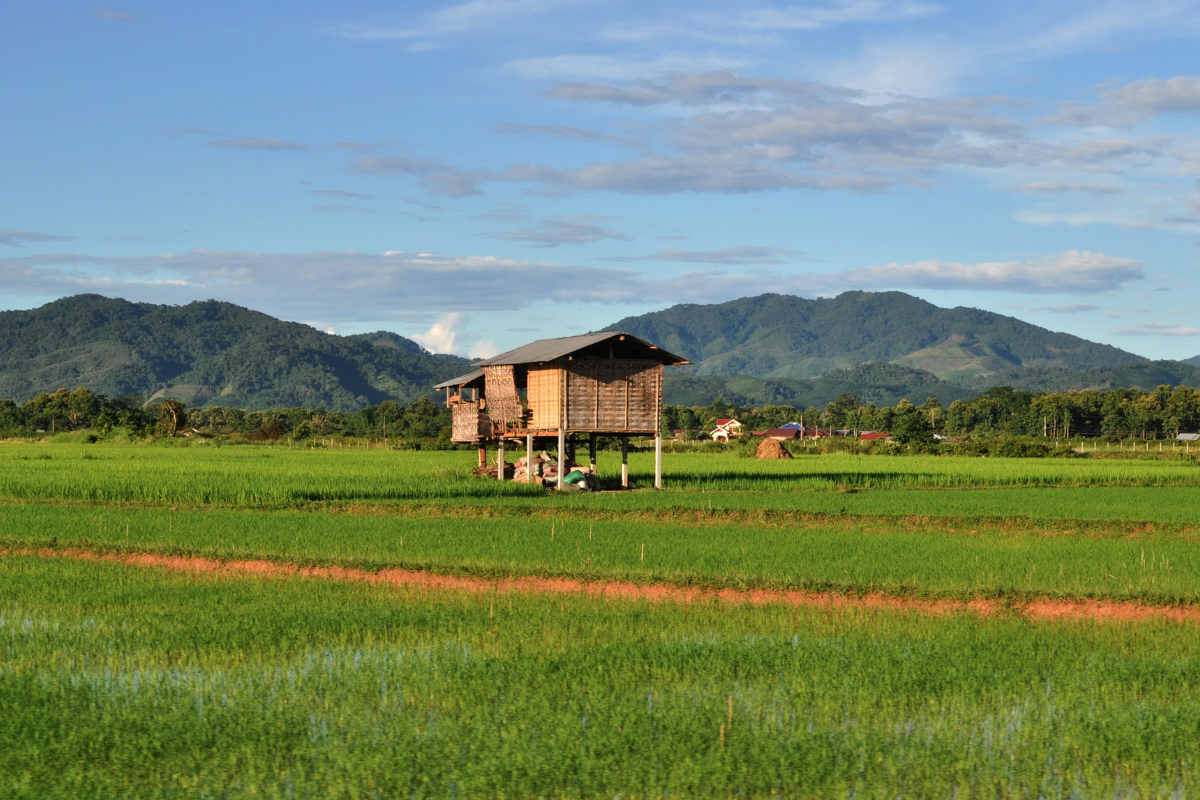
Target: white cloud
point(259, 145)
point(1157, 329)
point(732, 256)
point(1108, 21)
point(615, 68)
point(353, 286)
point(1128, 104)
point(442, 336)
point(1069, 308)
point(1172, 214)
point(750, 24)
point(928, 68)
point(437, 177)
point(569, 133)
point(555, 232)
point(358, 287)
point(342, 193)
point(432, 30)
point(1056, 187)
point(479, 14)
point(22, 238)
point(725, 132)
point(1072, 272)
point(1153, 95)
point(814, 17)
point(485, 348)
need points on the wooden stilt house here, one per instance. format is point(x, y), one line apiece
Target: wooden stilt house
point(597, 384)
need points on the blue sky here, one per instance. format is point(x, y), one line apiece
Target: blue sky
point(478, 174)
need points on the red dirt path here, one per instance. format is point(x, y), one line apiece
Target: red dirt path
point(1044, 608)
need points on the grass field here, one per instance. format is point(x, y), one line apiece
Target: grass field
point(119, 680)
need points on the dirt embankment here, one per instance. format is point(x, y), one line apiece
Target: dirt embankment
point(1039, 609)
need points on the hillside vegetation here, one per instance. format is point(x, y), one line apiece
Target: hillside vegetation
point(770, 349)
point(780, 336)
point(878, 383)
point(207, 353)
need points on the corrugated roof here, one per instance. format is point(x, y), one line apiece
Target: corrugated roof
point(461, 379)
point(550, 349)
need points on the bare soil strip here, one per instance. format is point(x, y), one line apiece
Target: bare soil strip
point(1039, 609)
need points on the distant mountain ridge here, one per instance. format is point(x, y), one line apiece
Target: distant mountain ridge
point(782, 336)
point(770, 349)
point(878, 383)
point(207, 352)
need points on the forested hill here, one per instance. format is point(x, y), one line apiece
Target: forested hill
point(786, 337)
point(771, 349)
point(206, 353)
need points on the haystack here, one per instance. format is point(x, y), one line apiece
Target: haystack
point(771, 448)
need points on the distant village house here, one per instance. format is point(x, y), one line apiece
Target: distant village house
point(726, 428)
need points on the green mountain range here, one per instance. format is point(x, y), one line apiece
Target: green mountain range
point(207, 353)
point(770, 349)
point(781, 336)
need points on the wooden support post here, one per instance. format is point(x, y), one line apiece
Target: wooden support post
point(482, 457)
point(562, 448)
point(529, 458)
point(658, 460)
point(592, 451)
point(500, 461)
point(625, 462)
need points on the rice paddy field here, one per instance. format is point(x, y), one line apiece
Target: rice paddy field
point(272, 622)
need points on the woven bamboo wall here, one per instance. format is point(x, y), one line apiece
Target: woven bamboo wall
point(613, 394)
point(500, 389)
point(544, 395)
point(471, 423)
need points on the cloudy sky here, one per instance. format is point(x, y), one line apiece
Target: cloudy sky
point(481, 173)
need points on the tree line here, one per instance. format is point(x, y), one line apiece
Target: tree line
point(1002, 411)
point(421, 423)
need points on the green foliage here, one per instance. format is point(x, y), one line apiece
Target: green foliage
point(127, 682)
point(780, 336)
point(911, 426)
point(118, 680)
point(207, 352)
point(999, 412)
point(172, 417)
point(880, 383)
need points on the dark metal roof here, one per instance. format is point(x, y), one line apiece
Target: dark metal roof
point(461, 380)
point(550, 349)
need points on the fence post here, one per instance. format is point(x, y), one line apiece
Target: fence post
point(529, 458)
point(658, 460)
point(625, 462)
point(562, 446)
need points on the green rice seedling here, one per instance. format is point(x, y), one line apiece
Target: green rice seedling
point(274, 477)
point(850, 556)
point(120, 681)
